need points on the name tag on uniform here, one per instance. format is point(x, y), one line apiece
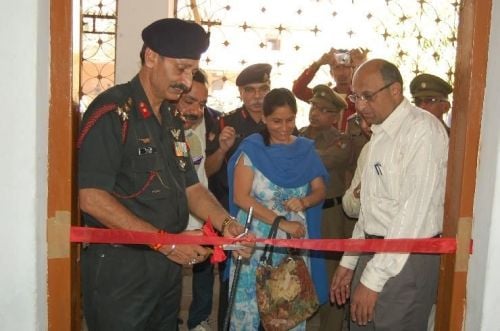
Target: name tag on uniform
point(146, 150)
point(181, 149)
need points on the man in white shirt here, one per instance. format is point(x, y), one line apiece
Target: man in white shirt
point(402, 196)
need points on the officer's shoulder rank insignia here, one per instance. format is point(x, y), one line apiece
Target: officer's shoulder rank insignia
point(124, 109)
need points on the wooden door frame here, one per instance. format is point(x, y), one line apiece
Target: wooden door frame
point(470, 81)
point(63, 276)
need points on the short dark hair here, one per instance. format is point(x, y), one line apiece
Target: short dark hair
point(200, 76)
point(390, 73)
point(142, 53)
point(276, 98)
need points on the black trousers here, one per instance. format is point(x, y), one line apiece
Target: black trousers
point(129, 288)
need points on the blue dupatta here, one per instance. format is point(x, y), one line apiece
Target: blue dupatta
point(288, 166)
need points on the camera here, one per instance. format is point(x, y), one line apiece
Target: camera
point(343, 58)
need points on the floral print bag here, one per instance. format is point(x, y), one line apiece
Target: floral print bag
point(285, 293)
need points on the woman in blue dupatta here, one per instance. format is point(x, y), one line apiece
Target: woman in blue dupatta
point(278, 174)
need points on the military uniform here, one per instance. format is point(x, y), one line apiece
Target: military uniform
point(244, 125)
point(146, 166)
point(429, 92)
point(305, 93)
point(358, 140)
point(335, 150)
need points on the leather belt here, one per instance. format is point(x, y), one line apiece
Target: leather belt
point(332, 202)
point(373, 236)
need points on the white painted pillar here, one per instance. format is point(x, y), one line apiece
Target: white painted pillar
point(483, 290)
point(24, 92)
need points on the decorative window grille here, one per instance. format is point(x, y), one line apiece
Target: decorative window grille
point(97, 55)
point(418, 36)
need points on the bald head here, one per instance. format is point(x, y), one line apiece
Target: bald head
point(378, 89)
point(388, 72)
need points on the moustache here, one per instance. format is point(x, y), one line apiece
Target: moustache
point(180, 86)
point(190, 117)
point(257, 104)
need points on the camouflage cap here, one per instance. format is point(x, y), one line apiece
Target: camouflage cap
point(328, 98)
point(427, 85)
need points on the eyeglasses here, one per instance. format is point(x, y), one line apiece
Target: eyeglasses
point(367, 97)
point(262, 89)
point(323, 110)
point(429, 100)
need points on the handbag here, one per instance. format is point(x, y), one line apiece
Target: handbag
point(285, 293)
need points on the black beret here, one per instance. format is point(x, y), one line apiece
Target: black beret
point(175, 38)
point(427, 85)
point(328, 98)
point(255, 73)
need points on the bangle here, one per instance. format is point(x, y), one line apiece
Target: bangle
point(226, 222)
point(156, 247)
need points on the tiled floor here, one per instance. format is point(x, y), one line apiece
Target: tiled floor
point(186, 300)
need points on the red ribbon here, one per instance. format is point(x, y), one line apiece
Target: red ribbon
point(113, 236)
point(218, 255)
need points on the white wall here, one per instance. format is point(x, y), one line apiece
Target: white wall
point(24, 68)
point(483, 290)
point(128, 40)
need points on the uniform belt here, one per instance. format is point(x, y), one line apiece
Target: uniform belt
point(332, 202)
point(374, 236)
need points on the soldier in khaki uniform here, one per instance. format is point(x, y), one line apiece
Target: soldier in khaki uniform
point(358, 140)
point(430, 92)
point(335, 150)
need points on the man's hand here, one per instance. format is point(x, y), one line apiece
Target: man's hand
point(358, 56)
point(186, 254)
point(363, 304)
point(327, 58)
point(234, 229)
point(226, 138)
point(357, 191)
point(340, 287)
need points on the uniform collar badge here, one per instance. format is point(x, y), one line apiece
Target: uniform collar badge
point(143, 110)
point(176, 133)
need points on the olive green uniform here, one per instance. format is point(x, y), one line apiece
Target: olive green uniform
point(146, 166)
point(335, 150)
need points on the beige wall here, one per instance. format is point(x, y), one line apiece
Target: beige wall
point(131, 21)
